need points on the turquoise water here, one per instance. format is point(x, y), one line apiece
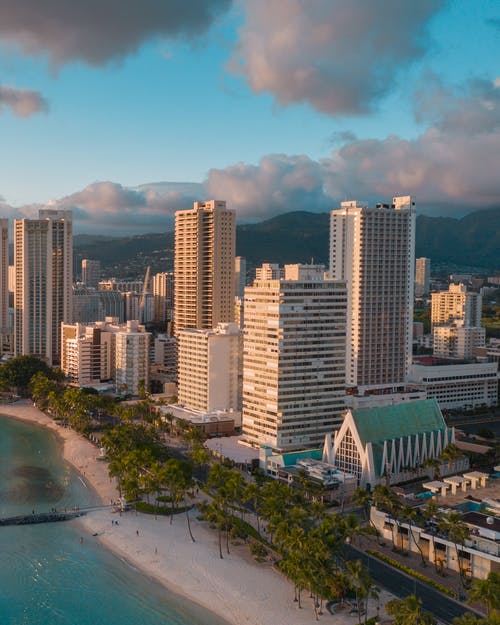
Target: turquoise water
point(47, 577)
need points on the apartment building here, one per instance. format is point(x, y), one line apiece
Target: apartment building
point(204, 266)
point(209, 368)
point(373, 251)
point(456, 322)
point(43, 297)
point(422, 276)
point(91, 272)
point(106, 350)
point(293, 357)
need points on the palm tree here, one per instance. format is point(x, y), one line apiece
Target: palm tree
point(457, 532)
point(360, 582)
point(467, 618)
point(409, 611)
point(432, 514)
point(487, 591)
point(253, 493)
point(384, 499)
point(409, 514)
point(362, 498)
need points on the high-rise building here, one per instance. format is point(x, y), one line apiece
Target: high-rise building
point(91, 272)
point(240, 275)
point(422, 276)
point(86, 305)
point(204, 266)
point(373, 250)
point(112, 304)
point(293, 358)
point(163, 292)
point(43, 258)
point(4, 275)
point(457, 305)
point(208, 377)
point(456, 322)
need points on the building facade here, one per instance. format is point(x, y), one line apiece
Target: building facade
point(4, 275)
point(163, 292)
point(205, 239)
point(456, 385)
point(43, 297)
point(422, 276)
point(209, 368)
point(457, 306)
point(373, 250)
point(390, 444)
point(456, 322)
point(91, 272)
point(293, 358)
point(106, 350)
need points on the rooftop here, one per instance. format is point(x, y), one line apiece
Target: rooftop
point(398, 421)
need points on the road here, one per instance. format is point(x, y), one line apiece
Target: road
point(444, 608)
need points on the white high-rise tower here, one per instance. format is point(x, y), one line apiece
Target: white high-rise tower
point(293, 357)
point(43, 259)
point(373, 250)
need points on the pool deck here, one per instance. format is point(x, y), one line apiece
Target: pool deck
point(491, 491)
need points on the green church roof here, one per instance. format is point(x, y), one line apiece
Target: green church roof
point(404, 419)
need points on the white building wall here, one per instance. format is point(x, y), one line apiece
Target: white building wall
point(293, 358)
point(460, 386)
point(373, 250)
point(208, 368)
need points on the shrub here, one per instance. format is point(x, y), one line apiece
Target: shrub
point(258, 550)
point(411, 572)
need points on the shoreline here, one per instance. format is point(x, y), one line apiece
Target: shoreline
point(235, 589)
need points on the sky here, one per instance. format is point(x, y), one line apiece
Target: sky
point(126, 111)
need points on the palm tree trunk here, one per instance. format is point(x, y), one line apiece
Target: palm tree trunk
point(189, 526)
point(220, 543)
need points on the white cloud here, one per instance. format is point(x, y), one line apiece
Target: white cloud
point(339, 56)
point(22, 102)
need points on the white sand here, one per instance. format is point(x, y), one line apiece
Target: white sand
point(236, 588)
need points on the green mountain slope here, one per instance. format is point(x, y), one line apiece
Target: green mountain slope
point(300, 236)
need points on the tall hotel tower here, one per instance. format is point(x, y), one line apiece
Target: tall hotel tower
point(205, 241)
point(373, 250)
point(4, 275)
point(293, 357)
point(43, 260)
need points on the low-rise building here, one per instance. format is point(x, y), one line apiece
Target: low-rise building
point(293, 467)
point(213, 424)
point(456, 384)
point(391, 444)
point(476, 558)
point(106, 350)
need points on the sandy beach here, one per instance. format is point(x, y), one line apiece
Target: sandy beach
point(236, 588)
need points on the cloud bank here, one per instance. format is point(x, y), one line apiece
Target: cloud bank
point(98, 31)
point(339, 56)
point(451, 167)
point(22, 102)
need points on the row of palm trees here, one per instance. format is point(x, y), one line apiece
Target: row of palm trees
point(305, 538)
point(142, 465)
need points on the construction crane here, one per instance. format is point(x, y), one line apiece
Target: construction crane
point(143, 295)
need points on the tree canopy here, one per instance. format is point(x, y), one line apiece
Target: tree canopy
point(17, 372)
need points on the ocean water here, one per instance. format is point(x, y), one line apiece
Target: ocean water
point(47, 576)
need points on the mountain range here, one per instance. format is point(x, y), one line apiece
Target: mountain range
point(472, 241)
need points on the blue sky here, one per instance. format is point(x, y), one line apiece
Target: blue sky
point(173, 108)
